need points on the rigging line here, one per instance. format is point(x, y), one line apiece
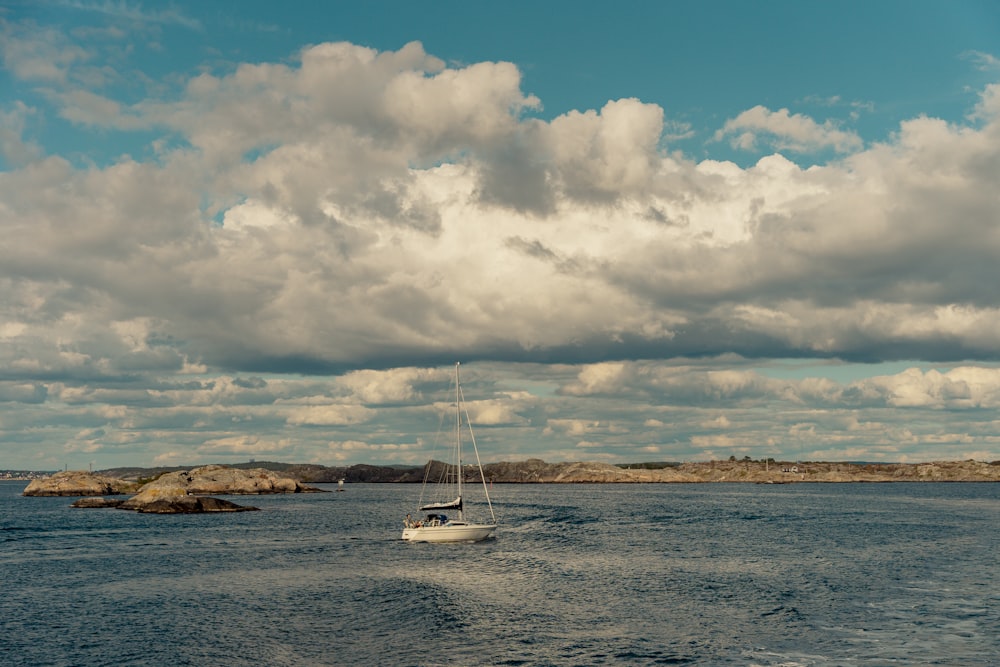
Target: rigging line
point(437, 447)
point(475, 448)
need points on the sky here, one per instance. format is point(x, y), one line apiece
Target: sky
point(649, 231)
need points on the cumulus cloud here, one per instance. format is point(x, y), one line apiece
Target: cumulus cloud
point(15, 149)
point(399, 385)
point(989, 104)
point(574, 427)
point(605, 155)
point(243, 445)
point(961, 387)
point(786, 131)
point(353, 219)
point(329, 415)
point(333, 213)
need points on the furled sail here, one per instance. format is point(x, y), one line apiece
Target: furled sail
point(455, 504)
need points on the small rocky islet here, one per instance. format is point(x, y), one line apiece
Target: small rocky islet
point(178, 492)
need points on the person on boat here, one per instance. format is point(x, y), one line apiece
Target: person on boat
point(408, 523)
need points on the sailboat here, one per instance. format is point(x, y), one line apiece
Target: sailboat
point(436, 526)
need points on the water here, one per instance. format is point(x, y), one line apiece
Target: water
point(710, 574)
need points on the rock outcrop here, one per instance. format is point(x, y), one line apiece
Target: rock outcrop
point(175, 492)
point(188, 491)
point(92, 502)
point(79, 483)
point(174, 500)
point(217, 479)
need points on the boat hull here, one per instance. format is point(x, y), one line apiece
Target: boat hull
point(469, 532)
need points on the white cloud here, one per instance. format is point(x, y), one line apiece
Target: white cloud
point(391, 386)
point(252, 214)
point(244, 445)
point(493, 413)
point(383, 209)
point(718, 422)
point(574, 427)
point(86, 108)
point(718, 441)
point(14, 147)
point(134, 12)
point(961, 387)
point(608, 154)
point(986, 62)
point(410, 229)
point(601, 378)
point(452, 107)
point(587, 444)
point(989, 103)
point(329, 415)
point(786, 131)
point(39, 54)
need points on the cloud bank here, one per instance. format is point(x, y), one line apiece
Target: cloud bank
point(302, 244)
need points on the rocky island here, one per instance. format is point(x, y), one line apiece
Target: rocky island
point(170, 493)
point(80, 483)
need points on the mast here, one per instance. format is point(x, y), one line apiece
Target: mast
point(475, 449)
point(458, 434)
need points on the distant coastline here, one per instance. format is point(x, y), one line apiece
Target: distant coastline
point(24, 475)
point(536, 471)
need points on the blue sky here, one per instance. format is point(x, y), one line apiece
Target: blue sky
point(652, 231)
point(866, 65)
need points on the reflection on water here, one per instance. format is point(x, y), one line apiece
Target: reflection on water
point(578, 575)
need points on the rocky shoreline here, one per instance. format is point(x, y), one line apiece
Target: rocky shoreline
point(270, 477)
point(180, 492)
point(191, 491)
point(537, 471)
point(760, 472)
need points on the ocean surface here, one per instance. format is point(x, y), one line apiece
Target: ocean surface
point(659, 574)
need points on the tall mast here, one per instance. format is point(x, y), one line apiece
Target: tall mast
point(458, 434)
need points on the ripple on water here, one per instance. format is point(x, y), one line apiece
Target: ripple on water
point(743, 575)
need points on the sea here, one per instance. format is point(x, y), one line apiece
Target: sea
point(583, 574)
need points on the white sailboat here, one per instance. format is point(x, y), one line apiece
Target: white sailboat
point(436, 526)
